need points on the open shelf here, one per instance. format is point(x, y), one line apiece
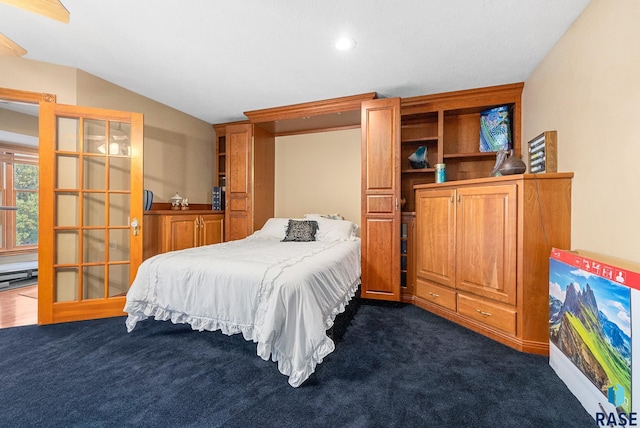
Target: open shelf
point(470, 155)
point(418, 170)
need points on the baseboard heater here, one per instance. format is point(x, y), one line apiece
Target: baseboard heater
point(13, 273)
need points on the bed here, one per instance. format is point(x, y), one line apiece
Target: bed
point(281, 287)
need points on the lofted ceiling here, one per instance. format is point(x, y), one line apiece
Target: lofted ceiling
point(215, 59)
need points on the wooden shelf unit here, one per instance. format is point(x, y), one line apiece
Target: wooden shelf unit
point(407, 254)
point(221, 152)
point(448, 125)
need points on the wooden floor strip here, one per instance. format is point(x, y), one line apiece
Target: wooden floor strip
point(19, 306)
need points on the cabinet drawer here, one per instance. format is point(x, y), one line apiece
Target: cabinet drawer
point(487, 313)
point(436, 294)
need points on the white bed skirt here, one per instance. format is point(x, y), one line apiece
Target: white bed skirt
point(281, 295)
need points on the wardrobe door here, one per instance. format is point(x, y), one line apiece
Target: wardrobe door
point(436, 235)
point(211, 229)
point(180, 232)
point(380, 199)
point(486, 218)
point(238, 195)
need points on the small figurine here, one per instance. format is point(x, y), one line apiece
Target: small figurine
point(176, 201)
point(418, 159)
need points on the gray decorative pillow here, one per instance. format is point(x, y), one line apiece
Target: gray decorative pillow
point(301, 231)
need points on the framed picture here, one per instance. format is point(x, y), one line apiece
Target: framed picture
point(543, 153)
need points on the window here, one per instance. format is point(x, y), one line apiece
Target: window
point(19, 189)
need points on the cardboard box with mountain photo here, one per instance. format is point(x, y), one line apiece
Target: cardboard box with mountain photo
point(591, 299)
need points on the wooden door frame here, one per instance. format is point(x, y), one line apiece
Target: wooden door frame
point(28, 97)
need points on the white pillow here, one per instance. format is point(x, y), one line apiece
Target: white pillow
point(333, 230)
point(275, 227)
point(335, 216)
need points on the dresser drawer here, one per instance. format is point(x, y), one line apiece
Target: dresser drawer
point(487, 313)
point(442, 296)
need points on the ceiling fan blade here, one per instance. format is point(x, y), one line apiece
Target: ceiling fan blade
point(50, 8)
point(10, 48)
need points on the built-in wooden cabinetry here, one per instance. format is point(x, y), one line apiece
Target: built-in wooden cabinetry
point(448, 125)
point(247, 150)
point(482, 253)
point(250, 166)
point(473, 249)
point(246, 168)
point(170, 230)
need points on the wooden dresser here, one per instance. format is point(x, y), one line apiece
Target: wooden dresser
point(170, 230)
point(482, 253)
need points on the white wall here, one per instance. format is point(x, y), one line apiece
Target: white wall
point(318, 173)
point(588, 89)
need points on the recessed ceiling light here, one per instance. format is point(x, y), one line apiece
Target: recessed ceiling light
point(345, 43)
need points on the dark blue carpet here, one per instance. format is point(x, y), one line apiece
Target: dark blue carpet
point(395, 367)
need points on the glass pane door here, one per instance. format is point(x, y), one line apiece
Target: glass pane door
point(94, 201)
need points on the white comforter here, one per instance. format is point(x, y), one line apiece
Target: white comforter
point(281, 295)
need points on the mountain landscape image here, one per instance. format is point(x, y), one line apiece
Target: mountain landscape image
point(589, 321)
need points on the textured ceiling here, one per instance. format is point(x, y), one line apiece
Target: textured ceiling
point(215, 59)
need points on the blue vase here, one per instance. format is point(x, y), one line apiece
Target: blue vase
point(147, 199)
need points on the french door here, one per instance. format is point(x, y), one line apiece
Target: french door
point(90, 211)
